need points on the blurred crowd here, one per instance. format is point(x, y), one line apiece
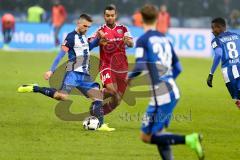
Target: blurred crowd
point(183, 12)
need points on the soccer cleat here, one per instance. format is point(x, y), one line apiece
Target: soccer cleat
point(105, 127)
point(194, 142)
point(26, 88)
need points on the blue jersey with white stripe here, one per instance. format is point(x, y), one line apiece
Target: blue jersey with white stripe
point(230, 44)
point(78, 54)
point(153, 49)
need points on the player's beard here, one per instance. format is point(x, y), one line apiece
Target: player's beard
point(81, 32)
point(111, 24)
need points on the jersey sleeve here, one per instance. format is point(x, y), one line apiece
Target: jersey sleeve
point(216, 60)
point(93, 43)
point(175, 58)
point(57, 60)
point(68, 42)
point(215, 43)
point(140, 62)
point(127, 32)
point(176, 65)
point(94, 39)
point(140, 53)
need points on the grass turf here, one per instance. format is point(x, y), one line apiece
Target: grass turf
point(30, 130)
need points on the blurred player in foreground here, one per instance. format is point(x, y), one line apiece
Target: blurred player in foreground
point(8, 26)
point(153, 48)
point(226, 47)
point(77, 75)
point(113, 60)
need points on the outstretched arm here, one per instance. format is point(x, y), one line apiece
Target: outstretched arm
point(93, 43)
point(140, 64)
point(176, 65)
point(217, 57)
point(56, 61)
point(177, 69)
point(66, 45)
point(139, 67)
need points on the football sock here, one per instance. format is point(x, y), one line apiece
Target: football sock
point(108, 107)
point(96, 110)
point(165, 152)
point(45, 91)
point(167, 139)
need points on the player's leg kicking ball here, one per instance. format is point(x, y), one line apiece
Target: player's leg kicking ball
point(95, 109)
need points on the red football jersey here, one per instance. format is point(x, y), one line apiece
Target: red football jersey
point(113, 54)
point(8, 21)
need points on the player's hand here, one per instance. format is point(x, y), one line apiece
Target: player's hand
point(209, 80)
point(128, 41)
point(100, 34)
point(102, 37)
point(103, 41)
point(47, 75)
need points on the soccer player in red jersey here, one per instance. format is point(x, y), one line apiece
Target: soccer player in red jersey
point(113, 60)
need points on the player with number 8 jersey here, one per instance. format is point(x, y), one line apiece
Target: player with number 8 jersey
point(226, 46)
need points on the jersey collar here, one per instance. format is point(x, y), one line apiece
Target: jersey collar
point(222, 33)
point(75, 30)
point(111, 28)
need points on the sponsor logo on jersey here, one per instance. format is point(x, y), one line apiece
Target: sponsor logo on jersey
point(120, 31)
point(214, 44)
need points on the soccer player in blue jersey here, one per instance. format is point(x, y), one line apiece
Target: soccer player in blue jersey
point(77, 71)
point(226, 46)
point(154, 49)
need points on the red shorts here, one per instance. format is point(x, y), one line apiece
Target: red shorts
point(109, 76)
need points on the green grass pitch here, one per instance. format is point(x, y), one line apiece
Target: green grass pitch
point(30, 130)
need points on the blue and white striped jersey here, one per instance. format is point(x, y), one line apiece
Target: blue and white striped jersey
point(229, 43)
point(153, 49)
point(78, 54)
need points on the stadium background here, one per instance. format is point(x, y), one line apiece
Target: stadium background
point(29, 128)
point(186, 16)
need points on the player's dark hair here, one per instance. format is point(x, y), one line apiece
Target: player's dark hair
point(110, 7)
point(149, 13)
point(220, 21)
point(86, 17)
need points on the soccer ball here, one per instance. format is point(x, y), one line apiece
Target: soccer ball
point(91, 123)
